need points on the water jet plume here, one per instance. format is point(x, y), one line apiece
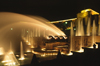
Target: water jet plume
point(21, 52)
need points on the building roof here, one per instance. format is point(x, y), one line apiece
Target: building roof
point(92, 11)
point(63, 20)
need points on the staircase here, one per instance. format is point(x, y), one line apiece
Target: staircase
point(90, 57)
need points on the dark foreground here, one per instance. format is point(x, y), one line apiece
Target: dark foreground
point(90, 57)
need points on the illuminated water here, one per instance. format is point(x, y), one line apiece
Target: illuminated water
point(29, 29)
point(80, 32)
point(88, 27)
point(10, 59)
point(21, 52)
point(93, 32)
point(72, 35)
point(82, 36)
point(1, 51)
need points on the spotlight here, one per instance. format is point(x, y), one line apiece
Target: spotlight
point(61, 37)
point(65, 37)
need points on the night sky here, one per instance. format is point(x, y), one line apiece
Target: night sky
point(49, 9)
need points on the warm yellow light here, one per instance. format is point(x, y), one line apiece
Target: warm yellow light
point(62, 53)
point(61, 37)
point(69, 54)
point(92, 46)
point(29, 43)
point(65, 37)
point(85, 10)
point(46, 29)
point(21, 58)
point(62, 20)
point(43, 49)
point(11, 52)
point(49, 37)
point(10, 63)
point(32, 47)
point(43, 55)
point(32, 51)
point(96, 45)
point(80, 51)
point(1, 51)
point(52, 50)
point(28, 51)
point(55, 37)
point(6, 61)
point(92, 11)
point(55, 53)
point(35, 52)
point(25, 54)
point(17, 55)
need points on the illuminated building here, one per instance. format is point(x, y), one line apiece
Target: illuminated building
point(64, 25)
point(87, 16)
point(84, 15)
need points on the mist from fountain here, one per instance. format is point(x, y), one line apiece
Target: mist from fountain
point(71, 40)
point(80, 32)
point(93, 33)
point(14, 23)
point(10, 59)
point(82, 36)
point(80, 28)
point(11, 51)
point(88, 27)
point(1, 51)
point(72, 35)
point(13, 18)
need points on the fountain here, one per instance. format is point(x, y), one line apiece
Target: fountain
point(36, 26)
point(21, 52)
point(93, 32)
point(71, 39)
point(94, 35)
point(11, 51)
point(10, 59)
point(30, 30)
point(80, 32)
point(88, 27)
point(1, 51)
point(80, 35)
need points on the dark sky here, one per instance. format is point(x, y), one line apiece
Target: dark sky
point(49, 9)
